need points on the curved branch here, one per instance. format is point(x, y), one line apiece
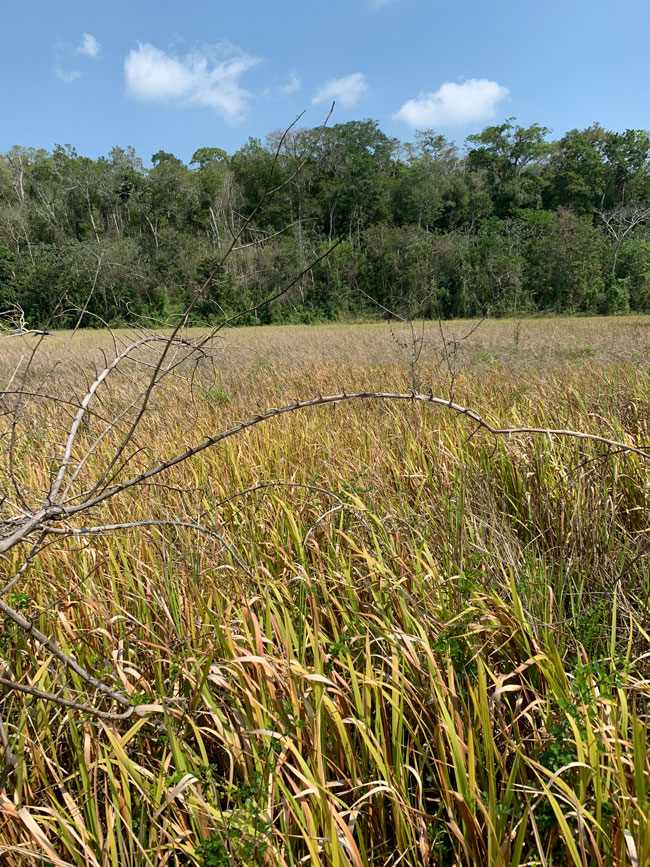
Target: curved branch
point(65, 702)
point(30, 630)
point(100, 529)
point(343, 398)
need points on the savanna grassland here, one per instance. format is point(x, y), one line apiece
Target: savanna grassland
point(427, 645)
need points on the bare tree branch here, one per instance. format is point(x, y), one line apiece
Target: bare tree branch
point(12, 324)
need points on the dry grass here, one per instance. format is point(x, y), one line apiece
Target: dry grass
point(527, 343)
point(441, 661)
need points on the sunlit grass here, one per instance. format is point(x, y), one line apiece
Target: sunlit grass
point(441, 661)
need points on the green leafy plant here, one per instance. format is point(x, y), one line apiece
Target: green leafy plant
point(216, 394)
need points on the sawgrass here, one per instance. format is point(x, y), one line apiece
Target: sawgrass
point(438, 654)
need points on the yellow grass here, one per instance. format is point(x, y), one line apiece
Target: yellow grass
point(435, 654)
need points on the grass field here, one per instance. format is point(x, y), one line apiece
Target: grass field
point(427, 645)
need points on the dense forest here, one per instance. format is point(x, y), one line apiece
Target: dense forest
point(512, 222)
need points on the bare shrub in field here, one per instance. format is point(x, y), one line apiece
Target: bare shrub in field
point(393, 659)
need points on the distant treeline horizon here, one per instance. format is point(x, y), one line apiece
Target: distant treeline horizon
point(513, 222)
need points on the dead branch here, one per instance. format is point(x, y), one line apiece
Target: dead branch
point(12, 324)
point(29, 519)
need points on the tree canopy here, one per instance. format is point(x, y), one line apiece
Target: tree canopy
point(514, 220)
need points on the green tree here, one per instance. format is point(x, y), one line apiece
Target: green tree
point(514, 159)
point(355, 166)
point(578, 171)
point(567, 265)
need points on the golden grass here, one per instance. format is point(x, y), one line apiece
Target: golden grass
point(442, 661)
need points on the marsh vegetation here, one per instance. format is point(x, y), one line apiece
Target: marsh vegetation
point(397, 638)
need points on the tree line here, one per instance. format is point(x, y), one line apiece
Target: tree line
point(513, 221)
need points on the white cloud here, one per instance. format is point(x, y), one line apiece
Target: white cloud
point(89, 46)
point(454, 104)
point(292, 87)
point(63, 54)
point(65, 76)
point(277, 91)
point(347, 90)
point(207, 78)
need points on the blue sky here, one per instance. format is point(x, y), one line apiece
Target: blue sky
point(181, 75)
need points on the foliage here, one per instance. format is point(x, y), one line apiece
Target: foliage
point(510, 223)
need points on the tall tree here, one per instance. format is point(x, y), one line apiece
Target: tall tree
point(513, 158)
